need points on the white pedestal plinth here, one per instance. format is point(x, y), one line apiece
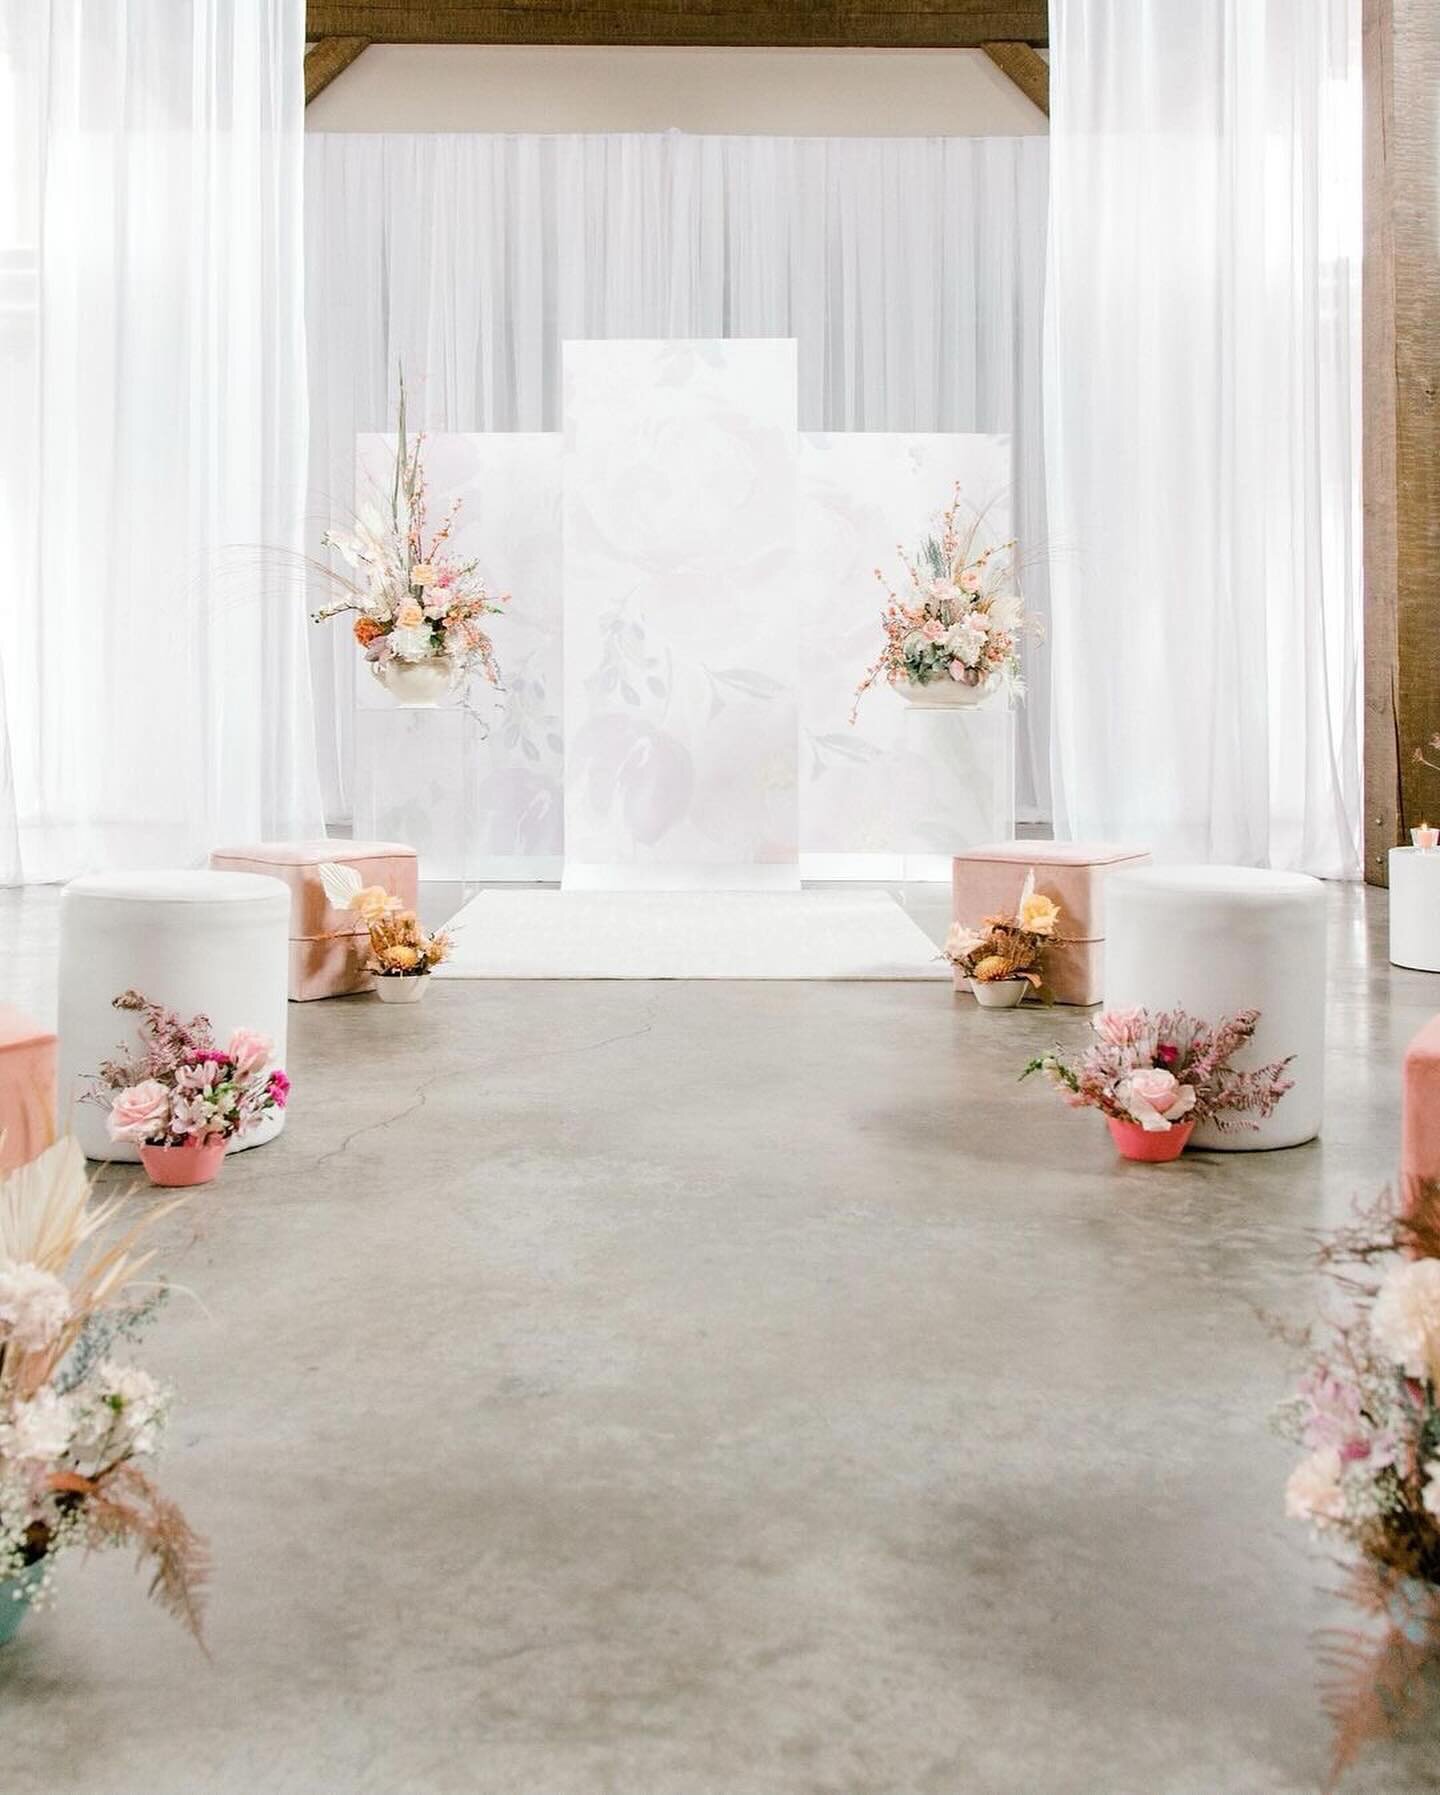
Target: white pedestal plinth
point(955, 786)
point(1415, 909)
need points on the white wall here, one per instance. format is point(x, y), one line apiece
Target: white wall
point(862, 93)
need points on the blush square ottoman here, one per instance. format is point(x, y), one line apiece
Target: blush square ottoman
point(987, 881)
point(1420, 1116)
point(327, 947)
point(27, 1088)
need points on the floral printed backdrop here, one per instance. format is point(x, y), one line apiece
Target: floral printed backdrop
point(685, 644)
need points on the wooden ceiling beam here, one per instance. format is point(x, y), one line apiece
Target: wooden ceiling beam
point(1027, 68)
point(326, 58)
point(799, 24)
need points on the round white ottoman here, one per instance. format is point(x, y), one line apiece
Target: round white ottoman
point(216, 944)
point(1415, 909)
point(1216, 939)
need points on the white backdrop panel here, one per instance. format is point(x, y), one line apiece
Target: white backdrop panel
point(478, 791)
point(681, 613)
point(889, 785)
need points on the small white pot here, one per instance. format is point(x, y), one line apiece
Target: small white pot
point(999, 994)
point(417, 682)
point(401, 987)
point(945, 693)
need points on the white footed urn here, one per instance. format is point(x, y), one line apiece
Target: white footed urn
point(999, 994)
point(401, 987)
point(946, 692)
point(416, 682)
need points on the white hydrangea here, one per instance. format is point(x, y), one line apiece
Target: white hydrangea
point(1430, 1495)
point(1405, 1321)
point(136, 1400)
point(34, 1306)
point(38, 1431)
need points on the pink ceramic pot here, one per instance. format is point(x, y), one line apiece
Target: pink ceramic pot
point(179, 1166)
point(1154, 1145)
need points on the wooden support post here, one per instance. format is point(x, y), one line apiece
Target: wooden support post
point(326, 59)
point(1027, 68)
point(1401, 375)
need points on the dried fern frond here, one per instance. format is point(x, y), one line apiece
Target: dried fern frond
point(126, 1508)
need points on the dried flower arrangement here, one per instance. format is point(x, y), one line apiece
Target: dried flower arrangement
point(399, 947)
point(1367, 1413)
point(182, 1089)
point(961, 619)
point(76, 1425)
point(1006, 947)
point(414, 602)
point(1168, 1069)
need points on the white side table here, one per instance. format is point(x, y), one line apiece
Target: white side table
point(1415, 909)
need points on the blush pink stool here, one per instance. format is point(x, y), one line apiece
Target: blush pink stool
point(987, 881)
point(1420, 1112)
point(27, 1088)
point(327, 946)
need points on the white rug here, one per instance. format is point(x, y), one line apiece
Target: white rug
point(689, 935)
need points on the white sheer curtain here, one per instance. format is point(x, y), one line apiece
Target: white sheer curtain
point(1202, 395)
point(152, 467)
point(909, 270)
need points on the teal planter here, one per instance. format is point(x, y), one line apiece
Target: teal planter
point(16, 1595)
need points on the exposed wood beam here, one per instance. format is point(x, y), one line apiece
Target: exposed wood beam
point(1027, 68)
point(815, 24)
point(1401, 374)
point(326, 58)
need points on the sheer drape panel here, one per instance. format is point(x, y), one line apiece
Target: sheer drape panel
point(155, 651)
point(910, 271)
point(1203, 415)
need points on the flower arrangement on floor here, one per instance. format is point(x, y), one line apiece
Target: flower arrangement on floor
point(76, 1424)
point(402, 954)
point(1367, 1413)
point(953, 637)
point(1154, 1076)
point(417, 607)
point(183, 1098)
point(1001, 959)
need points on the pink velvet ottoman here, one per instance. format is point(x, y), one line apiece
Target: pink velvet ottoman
point(27, 1088)
point(327, 946)
point(987, 881)
point(1420, 1113)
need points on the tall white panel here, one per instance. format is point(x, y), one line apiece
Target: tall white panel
point(681, 614)
point(880, 795)
point(475, 784)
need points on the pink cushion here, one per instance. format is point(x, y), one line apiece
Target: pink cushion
point(1420, 1108)
point(27, 1088)
point(327, 946)
point(988, 880)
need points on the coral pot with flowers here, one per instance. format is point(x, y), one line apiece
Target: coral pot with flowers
point(1153, 1077)
point(183, 1099)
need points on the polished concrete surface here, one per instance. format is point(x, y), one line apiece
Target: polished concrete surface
point(723, 1389)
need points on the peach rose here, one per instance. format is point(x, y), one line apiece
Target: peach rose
point(410, 616)
point(249, 1050)
point(422, 574)
point(141, 1113)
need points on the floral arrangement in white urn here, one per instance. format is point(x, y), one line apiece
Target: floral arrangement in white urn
point(417, 605)
point(953, 636)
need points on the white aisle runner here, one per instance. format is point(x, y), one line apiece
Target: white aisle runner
point(689, 935)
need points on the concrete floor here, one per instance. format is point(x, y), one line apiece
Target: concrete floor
point(723, 1389)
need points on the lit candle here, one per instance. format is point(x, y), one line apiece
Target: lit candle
point(1425, 838)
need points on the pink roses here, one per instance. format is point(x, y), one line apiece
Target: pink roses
point(141, 1113)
